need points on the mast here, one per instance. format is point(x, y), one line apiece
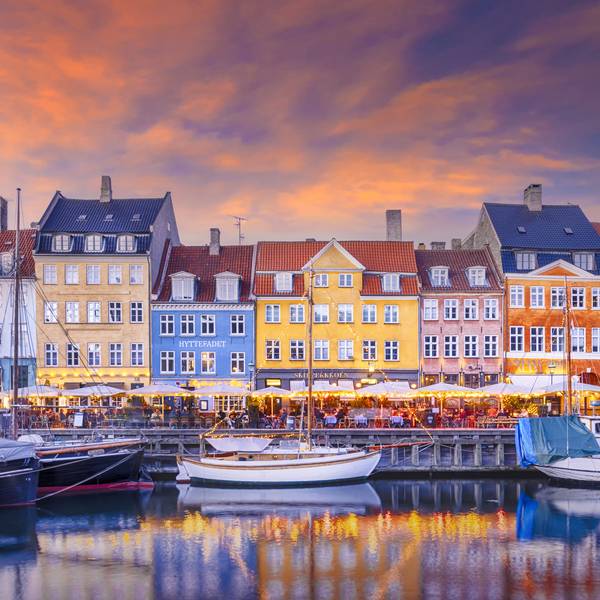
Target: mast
point(568, 348)
point(310, 358)
point(17, 282)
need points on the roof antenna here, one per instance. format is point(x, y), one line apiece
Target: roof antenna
point(238, 224)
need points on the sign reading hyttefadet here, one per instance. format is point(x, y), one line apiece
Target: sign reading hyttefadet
point(202, 343)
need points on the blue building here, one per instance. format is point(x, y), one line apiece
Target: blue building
point(203, 319)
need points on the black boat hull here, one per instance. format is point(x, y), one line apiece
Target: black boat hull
point(19, 482)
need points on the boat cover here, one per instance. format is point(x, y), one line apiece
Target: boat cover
point(542, 440)
point(11, 450)
point(239, 444)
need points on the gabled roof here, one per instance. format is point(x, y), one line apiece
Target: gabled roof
point(518, 227)
point(559, 264)
point(509, 261)
point(457, 261)
point(333, 244)
point(27, 239)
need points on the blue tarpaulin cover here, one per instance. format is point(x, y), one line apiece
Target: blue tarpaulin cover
point(542, 440)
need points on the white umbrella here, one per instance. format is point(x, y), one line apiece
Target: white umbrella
point(271, 391)
point(320, 387)
point(221, 389)
point(385, 388)
point(159, 389)
point(440, 388)
point(576, 387)
point(38, 391)
point(94, 390)
point(503, 389)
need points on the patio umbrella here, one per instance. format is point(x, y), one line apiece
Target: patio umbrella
point(561, 387)
point(38, 391)
point(161, 390)
point(503, 389)
point(221, 389)
point(95, 391)
point(440, 389)
point(385, 388)
point(271, 392)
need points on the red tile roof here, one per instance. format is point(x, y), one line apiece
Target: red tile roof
point(26, 245)
point(372, 286)
point(457, 262)
point(264, 285)
point(197, 260)
point(596, 227)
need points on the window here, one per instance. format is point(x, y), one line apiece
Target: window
point(72, 312)
point(596, 298)
point(490, 309)
point(207, 325)
point(595, 340)
point(61, 243)
point(439, 277)
point(450, 310)
point(296, 313)
point(321, 280)
point(536, 296)
point(93, 243)
point(536, 339)
point(272, 313)
point(476, 277)
point(577, 297)
point(345, 280)
point(471, 349)
point(228, 289)
point(50, 312)
point(115, 354)
point(93, 354)
point(391, 313)
point(471, 309)
point(72, 274)
point(208, 363)
point(238, 363)
point(137, 354)
point(430, 309)
point(93, 312)
point(283, 282)
point(490, 346)
point(7, 262)
point(431, 346)
point(345, 313)
point(369, 313)
point(321, 313)
point(296, 349)
point(237, 325)
point(321, 350)
point(369, 350)
point(517, 296)
point(273, 350)
point(391, 282)
point(167, 325)
point(115, 312)
point(188, 325)
point(391, 350)
point(525, 261)
point(51, 355)
point(557, 297)
point(557, 339)
point(115, 275)
point(50, 275)
point(136, 312)
point(345, 350)
point(136, 274)
point(187, 360)
point(451, 346)
point(182, 288)
point(584, 260)
point(167, 361)
point(92, 274)
point(516, 336)
point(126, 243)
point(73, 355)
point(578, 339)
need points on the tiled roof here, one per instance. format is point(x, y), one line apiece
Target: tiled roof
point(597, 227)
point(26, 245)
point(457, 261)
point(197, 260)
point(78, 244)
point(372, 286)
point(264, 285)
point(546, 229)
point(509, 263)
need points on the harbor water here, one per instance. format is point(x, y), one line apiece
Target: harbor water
point(464, 539)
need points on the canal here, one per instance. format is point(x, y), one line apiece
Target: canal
point(464, 539)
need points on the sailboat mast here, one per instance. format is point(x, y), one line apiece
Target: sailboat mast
point(568, 348)
point(310, 358)
point(17, 282)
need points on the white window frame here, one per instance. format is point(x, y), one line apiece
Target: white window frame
point(345, 350)
point(73, 355)
point(577, 298)
point(321, 280)
point(272, 313)
point(584, 260)
point(297, 350)
point(321, 313)
point(391, 314)
point(283, 281)
point(187, 362)
point(187, 324)
point(61, 242)
point(115, 311)
point(345, 313)
point(297, 313)
point(345, 280)
point(490, 309)
point(50, 312)
point(595, 298)
point(557, 297)
point(451, 308)
point(537, 296)
point(391, 282)
point(94, 354)
point(92, 275)
point(477, 276)
point(167, 325)
point(237, 363)
point(557, 339)
point(136, 354)
point(490, 346)
point(94, 243)
point(50, 275)
point(72, 312)
point(115, 275)
point(430, 309)
point(115, 354)
point(439, 277)
point(450, 346)
point(517, 296)
point(136, 274)
point(182, 288)
point(208, 363)
point(430, 346)
point(167, 362)
point(391, 350)
point(208, 325)
point(369, 313)
point(471, 346)
point(94, 311)
point(537, 339)
point(471, 309)
point(578, 341)
point(595, 349)
point(71, 274)
point(237, 325)
point(50, 354)
point(321, 350)
point(272, 350)
point(227, 289)
point(525, 261)
point(369, 350)
point(126, 243)
point(136, 312)
point(517, 338)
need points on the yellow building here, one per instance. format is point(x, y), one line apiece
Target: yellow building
point(96, 263)
point(365, 314)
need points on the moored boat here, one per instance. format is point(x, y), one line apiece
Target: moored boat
point(19, 471)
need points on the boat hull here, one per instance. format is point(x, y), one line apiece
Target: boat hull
point(19, 483)
point(584, 469)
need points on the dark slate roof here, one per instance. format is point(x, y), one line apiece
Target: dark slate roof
point(26, 245)
point(509, 263)
point(78, 244)
point(545, 229)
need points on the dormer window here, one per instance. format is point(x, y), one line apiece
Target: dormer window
point(391, 282)
point(476, 276)
point(283, 282)
point(182, 287)
point(7, 262)
point(525, 261)
point(93, 243)
point(584, 260)
point(61, 243)
point(126, 243)
point(439, 277)
point(228, 287)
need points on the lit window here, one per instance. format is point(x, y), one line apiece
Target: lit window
point(238, 363)
point(369, 350)
point(208, 363)
point(188, 362)
point(126, 243)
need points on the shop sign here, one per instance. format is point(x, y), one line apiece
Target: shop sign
point(202, 343)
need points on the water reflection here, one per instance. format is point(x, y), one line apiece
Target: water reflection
point(388, 539)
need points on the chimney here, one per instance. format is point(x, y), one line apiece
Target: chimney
point(421, 246)
point(393, 223)
point(105, 189)
point(214, 248)
point(438, 245)
point(532, 197)
point(3, 214)
point(456, 243)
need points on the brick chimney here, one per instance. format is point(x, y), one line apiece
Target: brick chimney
point(456, 243)
point(532, 197)
point(3, 214)
point(106, 189)
point(438, 245)
point(214, 248)
point(393, 223)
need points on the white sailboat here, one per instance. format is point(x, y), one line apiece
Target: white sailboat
point(304, 464)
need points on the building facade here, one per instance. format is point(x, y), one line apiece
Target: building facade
point(96, 262)
point(461, 317)
point(365, 314)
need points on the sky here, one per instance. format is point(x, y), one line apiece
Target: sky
point(308, 118)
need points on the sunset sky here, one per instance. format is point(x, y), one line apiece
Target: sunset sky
point(308, 117)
